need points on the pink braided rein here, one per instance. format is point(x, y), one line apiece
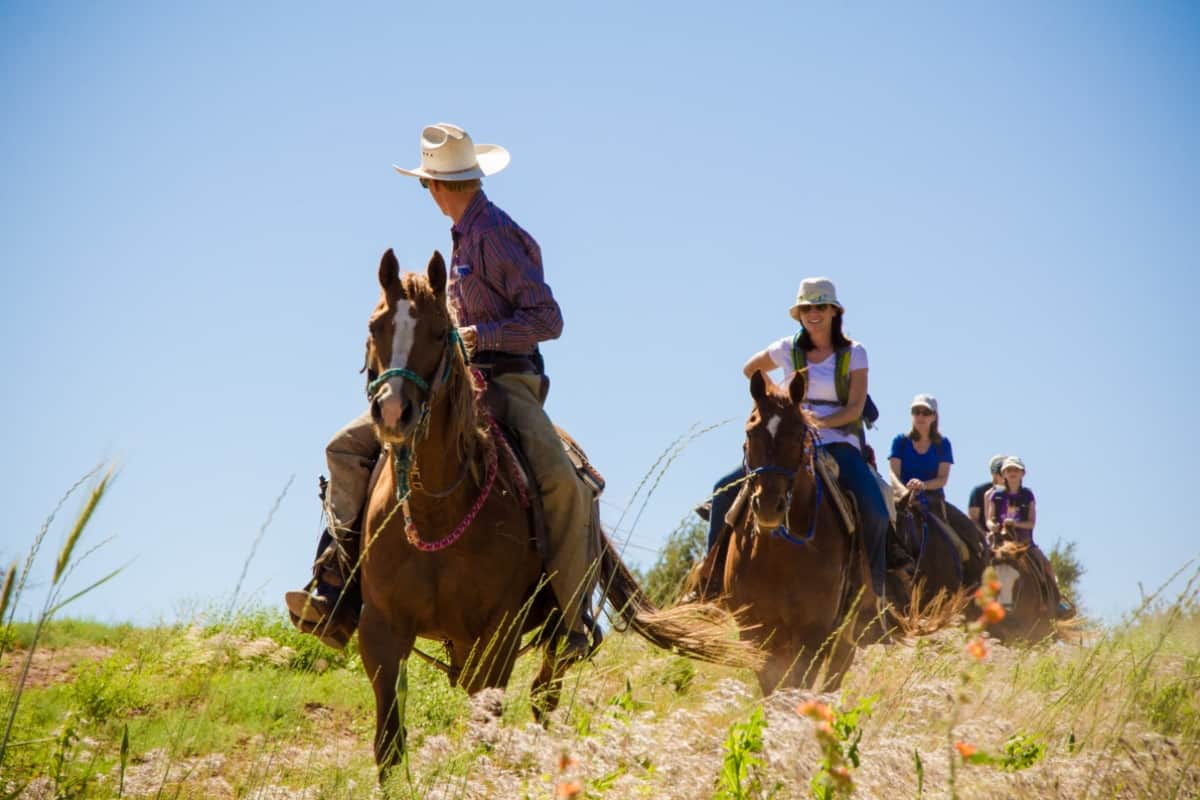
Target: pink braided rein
point(410, 527)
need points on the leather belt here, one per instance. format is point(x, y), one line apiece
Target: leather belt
point(495, 363)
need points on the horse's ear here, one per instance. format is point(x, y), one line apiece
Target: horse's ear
point(797, 387)
point(437, 273)
point(758, 386)
point(389, 269)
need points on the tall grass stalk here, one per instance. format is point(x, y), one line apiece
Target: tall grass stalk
point(54, 601)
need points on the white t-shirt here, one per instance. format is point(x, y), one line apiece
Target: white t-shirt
point(821, 383)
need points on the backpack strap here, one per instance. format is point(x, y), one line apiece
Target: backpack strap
point(841, 374)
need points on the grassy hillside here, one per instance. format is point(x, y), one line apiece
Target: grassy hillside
point(248, 708)
point(242, 706)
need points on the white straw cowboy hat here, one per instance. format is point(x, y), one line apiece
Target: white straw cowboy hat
point(448, 154)
point(813, 292)
point(1013, 461)
point(924, 401)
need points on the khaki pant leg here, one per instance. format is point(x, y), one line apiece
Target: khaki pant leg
point(567, 501)
point(351, 455)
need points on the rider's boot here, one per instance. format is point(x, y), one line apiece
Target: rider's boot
point(328, 606)
point(581, 644)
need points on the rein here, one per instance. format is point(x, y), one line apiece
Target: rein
point(404, 466)
point(923, 502)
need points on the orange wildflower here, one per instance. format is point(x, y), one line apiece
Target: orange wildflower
point(841, 774)
point(994, 586)
point(814, 709)
point(978, 648)
point(965, 750)
point(565, 761)
point(568, 789)
point(993, 612)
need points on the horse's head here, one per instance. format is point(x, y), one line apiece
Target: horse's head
point(410, 344)
point(778, 446)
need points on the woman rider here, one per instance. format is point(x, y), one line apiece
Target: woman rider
point(822, 347)
point(921, 459)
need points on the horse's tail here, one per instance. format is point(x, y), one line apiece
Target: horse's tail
point(698, 630)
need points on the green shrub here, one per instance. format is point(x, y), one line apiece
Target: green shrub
point(684, 547)
point(1021, 751)
point(105, 690)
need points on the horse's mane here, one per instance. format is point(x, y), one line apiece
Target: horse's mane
point(463, 404)
point(780, 399)
point(1009, 550)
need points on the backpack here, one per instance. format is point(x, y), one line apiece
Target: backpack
point(841, 382)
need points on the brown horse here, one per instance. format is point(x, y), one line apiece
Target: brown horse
point(449, 550)
point(1029, 601)
point(799, 582)
point(943, 568)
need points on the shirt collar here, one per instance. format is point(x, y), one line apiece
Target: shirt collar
point(474, 210)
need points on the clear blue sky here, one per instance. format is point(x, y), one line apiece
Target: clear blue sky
point(194, 201)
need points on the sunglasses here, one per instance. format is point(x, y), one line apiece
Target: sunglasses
point(921, 411)
point(424, 182)
point(817, 307)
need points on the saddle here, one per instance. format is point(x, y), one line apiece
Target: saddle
point(905, 502)
point(496, 401)
point(705, 576)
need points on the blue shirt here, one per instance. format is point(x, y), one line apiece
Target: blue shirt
point(922, 466)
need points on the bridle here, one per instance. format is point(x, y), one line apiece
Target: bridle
point(403, 463)
point(808, 462)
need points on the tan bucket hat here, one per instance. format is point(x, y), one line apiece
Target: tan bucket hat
point(812, 292)
point(448, 154)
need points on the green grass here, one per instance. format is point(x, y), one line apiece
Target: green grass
point(242, 704)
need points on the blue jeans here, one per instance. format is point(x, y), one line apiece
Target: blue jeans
point(724, 493)
point(856, 477)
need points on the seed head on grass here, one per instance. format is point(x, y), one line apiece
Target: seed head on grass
point(10, 579)
point(64, 555)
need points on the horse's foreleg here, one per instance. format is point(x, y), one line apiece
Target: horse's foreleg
point(547, 686)
point(385, 656)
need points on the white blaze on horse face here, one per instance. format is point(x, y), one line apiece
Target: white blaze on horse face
point(773, 426)
point(404, 331)
point(1007, 574)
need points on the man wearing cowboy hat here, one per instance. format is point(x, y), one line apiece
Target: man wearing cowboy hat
point(503, 309)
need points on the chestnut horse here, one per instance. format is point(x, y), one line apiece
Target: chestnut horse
point(449, 552)
point(799, 582)
point(1030, 603)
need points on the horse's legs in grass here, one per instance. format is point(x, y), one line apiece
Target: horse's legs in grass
point(488, 662)
point(547, 686)
point(787, 666)
point(384, 653)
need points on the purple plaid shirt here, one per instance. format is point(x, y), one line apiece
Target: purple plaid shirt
point(496, 282)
